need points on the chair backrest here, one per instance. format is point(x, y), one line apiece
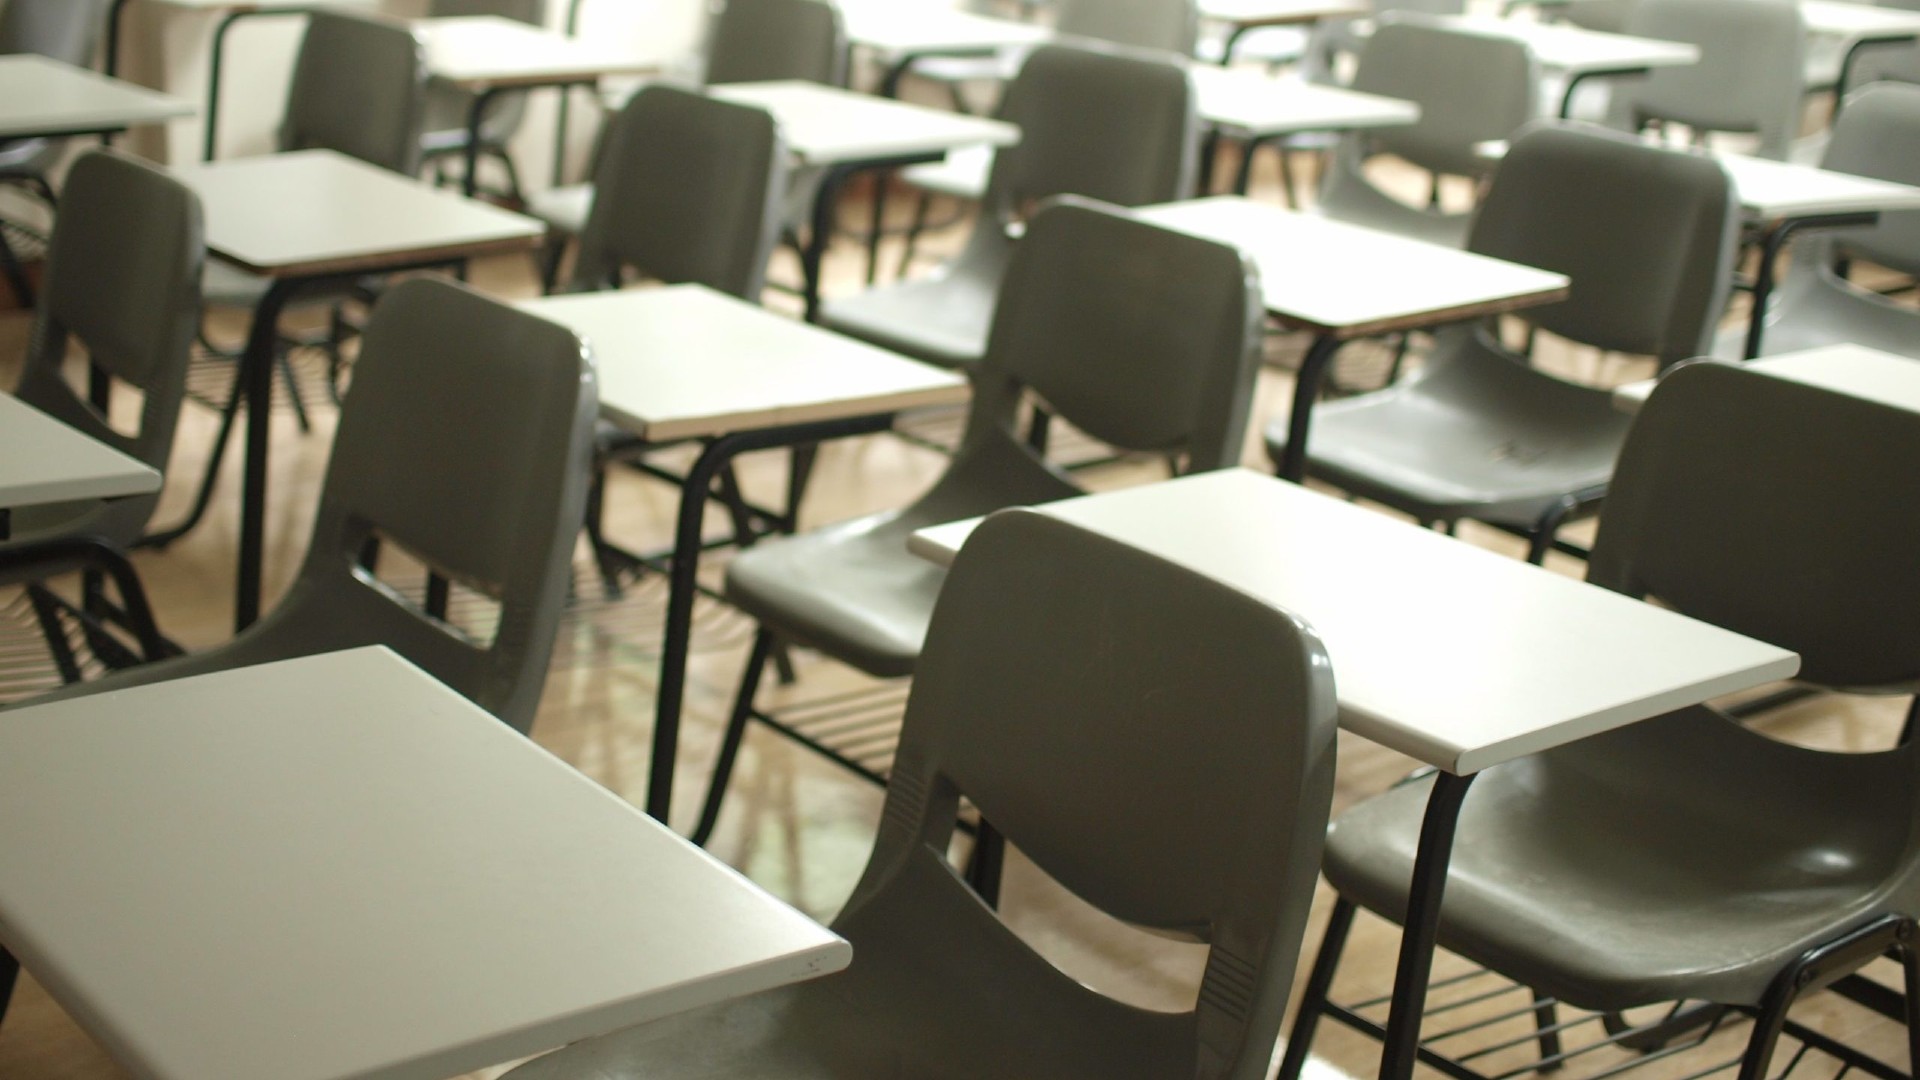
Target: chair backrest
point(466, 439)
point(768, 40)
point(1177, 780)
point(688, 189)
point(532, 12)
point(1145, 338)
point(1750, 77)
point(359, 85)
point(66, 30)
point(1167, 25)
point(1105, 125)
point(1606, 16)
point(123, 281)
point(1471, 88)
point(1727, 502)
point(1875, 135)
point(1649, 243)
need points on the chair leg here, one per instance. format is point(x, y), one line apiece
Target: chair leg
point(514, 190)
point(985, 864)
point(1313, 997)
point(1546, 1023)
point(799, 474)
point(1039, 430)
point(603, 555)
point(551, 255)
point(922, 207)
point(1910, 965)
point(284, 364)
point(205, 496)
point(16, 274)
point(9, 975)
point(736, 730)
point(1547, 528)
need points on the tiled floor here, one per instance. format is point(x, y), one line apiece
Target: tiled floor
point(795, 823)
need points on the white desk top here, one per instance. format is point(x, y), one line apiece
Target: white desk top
point(1836, 18)
point(1777, 189)
point(42, 96)
point(1280, 12)
point(896, 28)
point(315, 211)
point(824, 125)
point(1252, 104)
point(258, 5)
point(477, 52)
point(44, 461)
point(1351, 281)
point(684, 361)
point(1575, 50)
point(1847, 369)
point(336, 867)
point(1446, 652)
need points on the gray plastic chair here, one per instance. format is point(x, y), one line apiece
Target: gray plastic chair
point(750, 41)
point(1105, 721)
point(1171, 26)
point(447, 111)
point(465, 440)
point(359, 87)
point(1875, 136)
point(1476, 432)
point(66, 30)
point(1111, 126)
point(1471, 88)
point(1160, 361)
point(123, 283)
point(1690, 857)
point(1750, 78)
point(649, 220)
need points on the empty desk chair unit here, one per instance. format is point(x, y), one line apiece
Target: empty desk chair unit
point(443, 131)
point(1479, 433)
point(465, 442)
point(1689, 857)
point(66, 30)
point(1471, 88)
point(651, 219)
point(749, 41)
point(359, 89)
point(1877, 135)
point(1750, 78)
point(122, 284)
point(1104, 721)
point(1109, 126)
point(1160, 361)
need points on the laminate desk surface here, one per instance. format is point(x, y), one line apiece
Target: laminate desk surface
point(1446, 652)
point(1837, 18)
point(45, 461)
point(1350, 281)
point(824, 125)
point(337, 867)
point(1574, 50)
point(1847, 369)
point(684, 361)
point(489, 52)
point(250, 6)
point(1251, 104)
point(1777, 189)
point(316, 212)
point(902, 27)
point(1250, 13)
point(40, 96)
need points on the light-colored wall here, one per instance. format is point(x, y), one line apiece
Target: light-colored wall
point(169, 47)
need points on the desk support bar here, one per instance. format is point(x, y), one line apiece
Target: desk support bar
point(1306, 388)
point(1420, 928)
point(1771, 245)
point(683, 577)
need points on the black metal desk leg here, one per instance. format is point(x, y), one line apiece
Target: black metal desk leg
point(114, 12)
point(9, 973)
point(214, 66)
point(826, 202)
point(256, 375)
point(476, 119)
point(1306, 387)
point(1402, 1042)
point(1770, 248)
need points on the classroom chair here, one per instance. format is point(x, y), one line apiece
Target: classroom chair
point(123, 285)
point(1113, 126)
point(465, 441)
point(447, 112)
point(1477, 432)
point(1178, 783)
point(1161, 361)
point(1875, 135)
point(65, 30)
point(1471, 88)
point(1750, 77)
point(1689, 856)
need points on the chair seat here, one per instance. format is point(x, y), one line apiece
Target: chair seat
point(1616, 872)
point(1814, 307)
point(963, 175)
point(1500, 442)
point(1358, 204)
point(942, 320)
point(564, 209)
point(851, 590)
point(904, 1008)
